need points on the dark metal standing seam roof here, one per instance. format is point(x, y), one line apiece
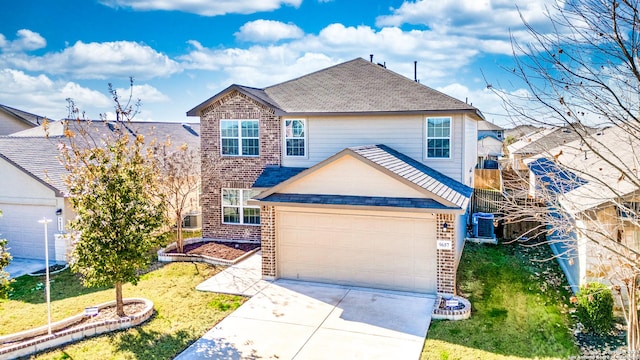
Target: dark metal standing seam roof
point(403, 166)
point(429, 179)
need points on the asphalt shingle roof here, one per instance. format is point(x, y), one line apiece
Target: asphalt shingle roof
point(274, 175)
point(356, 86)
point(412, 203)
point(27, 117)
point(37, 155)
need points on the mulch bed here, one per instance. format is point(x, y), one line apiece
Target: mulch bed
point(52, 268)
point(219, 249)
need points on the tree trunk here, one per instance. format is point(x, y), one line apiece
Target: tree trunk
point(119, 303)
point(179, 240)
point(633, 330)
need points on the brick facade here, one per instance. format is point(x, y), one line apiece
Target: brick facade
point(268, 244)
point(446, 259)
point(220, 172)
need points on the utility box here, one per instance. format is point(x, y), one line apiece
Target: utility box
point(483, 226)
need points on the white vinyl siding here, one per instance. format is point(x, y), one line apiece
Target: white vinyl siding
point(470, 149)
point(235, 209)
point(239, 138)
point(327, 136)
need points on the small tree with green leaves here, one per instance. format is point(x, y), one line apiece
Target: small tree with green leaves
point(5, 258)
point(113, 187)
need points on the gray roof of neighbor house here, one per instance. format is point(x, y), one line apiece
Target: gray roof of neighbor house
point(37, 155)
point(488, 126)
point(26, 117)
point(386, 159)
point(356, 86)
point(545, 139)
point(594, 167)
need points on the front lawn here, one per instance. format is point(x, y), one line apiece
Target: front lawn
point(182, 313)
point(519, 308)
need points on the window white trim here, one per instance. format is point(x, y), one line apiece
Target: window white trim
point(285, 136)
point(241, 140)
point(441, 135)
point(241, 197)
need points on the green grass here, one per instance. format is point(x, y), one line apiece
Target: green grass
point(171, 235)
point(514, 316)
point(182, 313)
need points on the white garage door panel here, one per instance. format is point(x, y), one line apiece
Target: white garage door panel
point(380, 251)
point(19, 225)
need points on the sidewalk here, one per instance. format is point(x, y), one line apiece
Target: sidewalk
point(243, 278)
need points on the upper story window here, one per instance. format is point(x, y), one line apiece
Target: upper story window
point(235, 207)
point(239, 137)
point(439, 137)
point(295, 137)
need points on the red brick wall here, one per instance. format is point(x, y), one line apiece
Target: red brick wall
point(231, 171)
point(446, 259)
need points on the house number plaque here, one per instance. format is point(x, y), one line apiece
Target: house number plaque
point(444, 245)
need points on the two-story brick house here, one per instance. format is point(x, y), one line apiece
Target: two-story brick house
point(351, 175)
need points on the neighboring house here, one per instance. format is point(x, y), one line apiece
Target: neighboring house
point(519, 131)
point(601, 203)
point(32, 186)
point(490, 138)
point(542, 141)
point(13, 120)
point(351, 175)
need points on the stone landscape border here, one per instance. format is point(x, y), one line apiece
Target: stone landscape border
point(165, 256)
point(38, 339)
point(451, 314)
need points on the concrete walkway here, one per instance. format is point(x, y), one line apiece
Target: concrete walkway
point(303, 320)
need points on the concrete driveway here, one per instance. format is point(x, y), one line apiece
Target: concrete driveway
point(303, 320)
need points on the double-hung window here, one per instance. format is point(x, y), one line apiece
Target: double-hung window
point(236, 210)
point(439, 137)
point(295, 137)
point(239, 137)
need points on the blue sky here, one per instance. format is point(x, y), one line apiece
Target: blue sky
point(183, 52)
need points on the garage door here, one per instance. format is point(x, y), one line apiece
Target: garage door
point(373, 249)
point(19, 225)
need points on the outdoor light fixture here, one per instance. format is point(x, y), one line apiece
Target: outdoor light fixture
point(445, 227)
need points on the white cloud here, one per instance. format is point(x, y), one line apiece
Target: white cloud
point(443, 55)
point(268, 30)
point(205, 7)
point(98, 61)
point(27, 41)
point(145, 92)
point(43, 96)
point(491, 21)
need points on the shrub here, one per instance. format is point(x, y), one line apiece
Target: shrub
point(594, 307)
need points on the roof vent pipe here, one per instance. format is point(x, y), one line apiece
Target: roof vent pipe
point(371, 57)
point(415, 71)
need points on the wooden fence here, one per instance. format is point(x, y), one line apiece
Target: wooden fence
point(486, 201)
point(491, 201)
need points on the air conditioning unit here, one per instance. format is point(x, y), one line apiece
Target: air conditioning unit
point(483, 226)
point(192, 221)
